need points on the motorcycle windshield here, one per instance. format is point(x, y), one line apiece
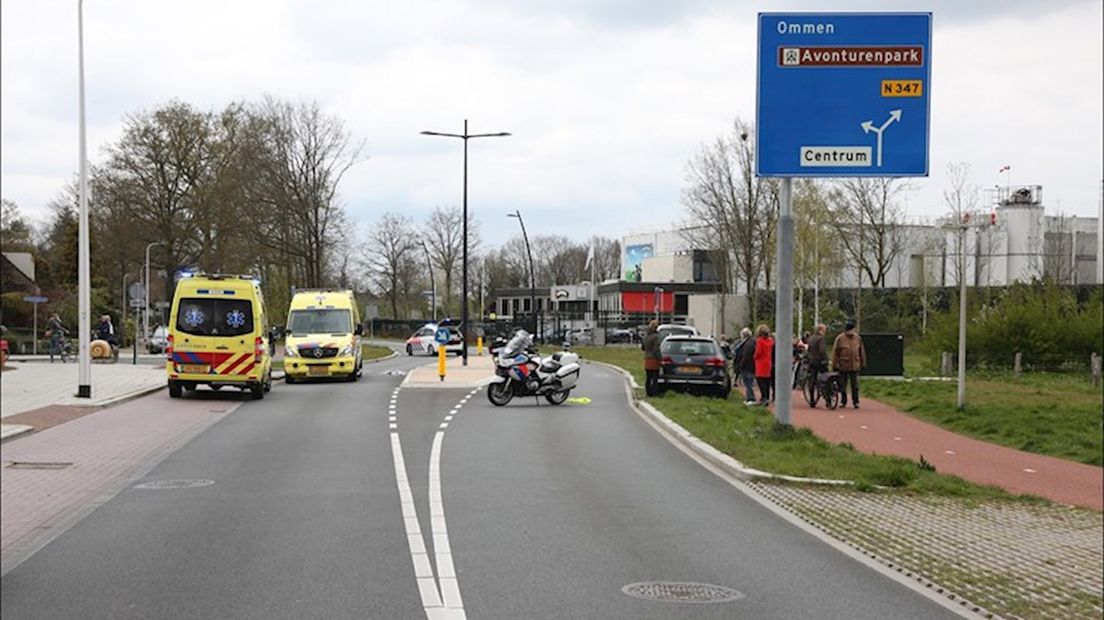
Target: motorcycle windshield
point(517, 344)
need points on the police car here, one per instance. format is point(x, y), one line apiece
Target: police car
point(423, 341)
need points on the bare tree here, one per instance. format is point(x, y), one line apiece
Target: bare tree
point(607, 258)
point(868, 222)
point(304, 155)
point(390, 258)
point(961, 199)
point(737, 207)
point(817, 256)
point(1058, 259)
point(446, 246)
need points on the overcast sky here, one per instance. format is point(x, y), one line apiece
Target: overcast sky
point(607, 99)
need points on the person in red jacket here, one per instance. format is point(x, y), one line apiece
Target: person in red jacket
point(764, 353)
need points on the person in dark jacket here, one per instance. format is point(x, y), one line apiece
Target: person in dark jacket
point(764, 356)
point(848, 358)
point(743, 361)
point(651, 358)
point(818, 351)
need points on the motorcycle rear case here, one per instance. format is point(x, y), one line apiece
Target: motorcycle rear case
point(568, 374)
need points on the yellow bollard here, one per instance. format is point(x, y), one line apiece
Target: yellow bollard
point(441, 362)
point(479, 345)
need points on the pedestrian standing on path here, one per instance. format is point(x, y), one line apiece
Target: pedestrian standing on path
point(818, 351)
point(743, 360)
point(764, 356)
point(651, 358)
point(848, 358)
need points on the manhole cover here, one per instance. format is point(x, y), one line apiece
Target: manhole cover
point(174, 484)
point(677, 592)
point(37, 465)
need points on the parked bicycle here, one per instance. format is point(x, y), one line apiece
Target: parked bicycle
point(820, 385)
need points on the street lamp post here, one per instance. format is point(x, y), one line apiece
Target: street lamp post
point(532, 274)
point(432, 284)
point(464, 293)
point(84, 291)
point(145, 314)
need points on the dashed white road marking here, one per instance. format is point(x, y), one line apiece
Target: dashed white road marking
point(1030, 471)
point(949, 451)
point(863, 427)
point(896, 439)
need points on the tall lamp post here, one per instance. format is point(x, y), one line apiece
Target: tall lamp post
point(145, 314)
point(84, 371)
point(532, 274)
point(432, 284)
point(464, 293)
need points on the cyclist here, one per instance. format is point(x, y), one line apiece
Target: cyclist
point(58, 334)
point(818, 353)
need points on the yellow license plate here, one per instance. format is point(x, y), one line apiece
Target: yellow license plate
point(689, 370)
point(318, 370)
point(195, 369)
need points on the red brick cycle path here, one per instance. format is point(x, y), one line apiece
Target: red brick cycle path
point(878, 428)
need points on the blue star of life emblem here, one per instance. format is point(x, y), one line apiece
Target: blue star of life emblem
point(235, 319)
point(193, 317)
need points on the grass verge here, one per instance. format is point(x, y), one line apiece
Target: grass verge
point(751, 436)
point(1045, 413)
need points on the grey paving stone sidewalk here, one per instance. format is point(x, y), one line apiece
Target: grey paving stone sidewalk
point(31, 385)
point(1014, 560)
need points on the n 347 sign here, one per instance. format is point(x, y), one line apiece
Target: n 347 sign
point(843, 94)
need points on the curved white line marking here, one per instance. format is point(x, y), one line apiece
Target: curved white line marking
point(441, 595)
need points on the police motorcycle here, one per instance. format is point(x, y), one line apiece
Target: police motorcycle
point(519, 371)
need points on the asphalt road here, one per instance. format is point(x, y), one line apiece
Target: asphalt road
point(545, 512)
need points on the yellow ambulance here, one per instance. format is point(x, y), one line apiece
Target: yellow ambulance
point(323, 336)
point(218, 335)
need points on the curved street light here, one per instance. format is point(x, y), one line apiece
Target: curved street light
point(532, 274)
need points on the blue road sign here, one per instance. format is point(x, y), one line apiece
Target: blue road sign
point(442, 335)
point(843, 94)
point(35, 299)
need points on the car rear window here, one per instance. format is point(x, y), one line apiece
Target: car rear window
point(689, 347)
point(214, 317)
point(320, 321)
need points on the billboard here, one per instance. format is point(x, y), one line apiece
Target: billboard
point(632, 259)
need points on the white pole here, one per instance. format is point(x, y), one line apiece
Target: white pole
point(962, 318)
point(1100, 236)
point(84, 372)
point(34, 340)
point(816, 284)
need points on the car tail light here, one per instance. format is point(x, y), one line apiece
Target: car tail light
point(714, 361)
point(169, 348)
point(667, 361)
point(258, 351)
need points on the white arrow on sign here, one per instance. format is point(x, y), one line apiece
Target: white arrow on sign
point(868, 126)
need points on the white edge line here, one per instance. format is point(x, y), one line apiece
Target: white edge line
point(450, 588)
point(691, 450)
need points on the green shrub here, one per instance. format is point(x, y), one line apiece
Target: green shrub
point(1043, 321)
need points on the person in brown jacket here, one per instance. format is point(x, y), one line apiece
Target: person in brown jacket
point(848, 358)
point(652, 359)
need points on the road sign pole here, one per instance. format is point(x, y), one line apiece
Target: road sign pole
point(34, 339)
point(783, 317)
